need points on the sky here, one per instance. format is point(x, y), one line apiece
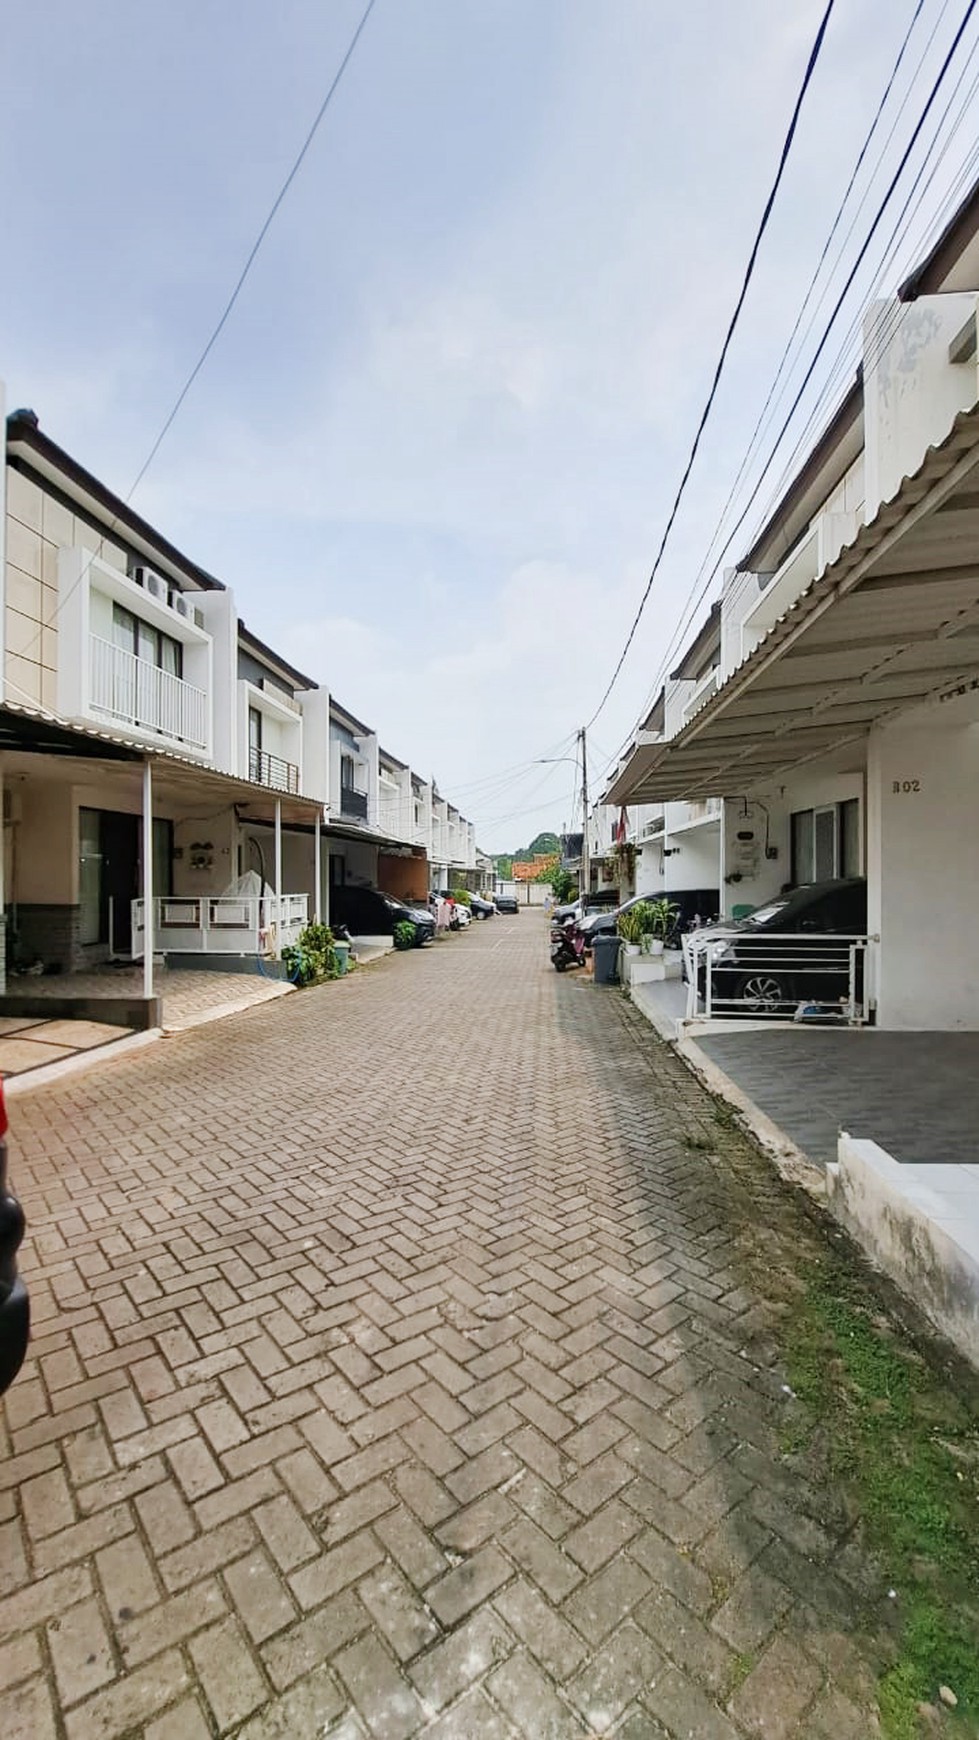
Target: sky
point(434, 447)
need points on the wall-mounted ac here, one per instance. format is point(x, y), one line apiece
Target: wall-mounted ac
point(182, 605)
point(152, 583)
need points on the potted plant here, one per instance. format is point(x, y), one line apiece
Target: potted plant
point(404, 935)
point(633, 924)
point(663, 914)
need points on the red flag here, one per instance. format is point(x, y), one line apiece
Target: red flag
point(621, 827)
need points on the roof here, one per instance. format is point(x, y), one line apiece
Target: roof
point(838, 446)
point(891, 624)
point(27, 442)
point(259, 648)
point(347, 719)
point(707, 640)
point(35, 731)
point(937, 271)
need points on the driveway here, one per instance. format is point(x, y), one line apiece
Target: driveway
point(394, 1375)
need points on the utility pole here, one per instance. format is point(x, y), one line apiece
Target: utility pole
point(585, 877)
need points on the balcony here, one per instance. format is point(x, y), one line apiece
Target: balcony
point(271, 770)
point(353, 802)
point(134, 692)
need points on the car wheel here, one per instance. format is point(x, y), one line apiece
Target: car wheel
point(763, 993)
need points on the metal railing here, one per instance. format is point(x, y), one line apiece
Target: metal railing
point(353, 802)
point(135, 692)
point(271, 770)
point(221, 924)
point(817, 976)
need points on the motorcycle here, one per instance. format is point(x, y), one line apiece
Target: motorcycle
point(567, 946)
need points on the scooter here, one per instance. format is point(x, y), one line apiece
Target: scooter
point(567, 947)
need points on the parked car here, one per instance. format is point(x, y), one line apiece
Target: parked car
point(506, 903)
point(602, 922)
point(604, 901)
point(15, 1311)
point(481, 908)
point(461, 915)
point(370, 912)
point(769, 977)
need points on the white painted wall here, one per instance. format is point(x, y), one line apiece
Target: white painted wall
point(922, 853)
point(912, 392)
point(316, 769)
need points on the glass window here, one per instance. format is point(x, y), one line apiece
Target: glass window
point(802, 847)
point(171, 656)
point(123, 628)
point(254, 728)
point(850, 859)
point(824, 844)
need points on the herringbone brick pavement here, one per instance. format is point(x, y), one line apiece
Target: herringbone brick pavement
point(393, 1375)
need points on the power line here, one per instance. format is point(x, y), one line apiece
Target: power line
point(729, 335)
point(229, 305)
point(695, 601)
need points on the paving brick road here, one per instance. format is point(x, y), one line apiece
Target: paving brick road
point(393, 1375)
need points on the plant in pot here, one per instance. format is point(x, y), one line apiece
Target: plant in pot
point(404, 935)
point(633, 924)
point(663, 915)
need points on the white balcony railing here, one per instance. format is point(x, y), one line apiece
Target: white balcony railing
point(225, 925)
point(134, 692)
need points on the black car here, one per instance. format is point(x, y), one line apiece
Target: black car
point(370, 912)
point(15, 1311)
point(506, 903)
point(481, 908)
point(689, 903)
point(755, 970)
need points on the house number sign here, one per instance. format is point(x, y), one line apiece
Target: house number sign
point(904, 786)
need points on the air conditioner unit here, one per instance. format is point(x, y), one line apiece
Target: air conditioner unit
point(181, 605)
point(198, 616)
point(152, 583)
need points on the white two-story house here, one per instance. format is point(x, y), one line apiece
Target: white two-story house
point(839, 735)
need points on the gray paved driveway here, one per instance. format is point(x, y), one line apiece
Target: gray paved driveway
point(917, 1094)
point(393, 1377)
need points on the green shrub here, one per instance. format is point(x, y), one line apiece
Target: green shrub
point(404, 935)
point(312, 958)
point(461, 896)
point(636, 923)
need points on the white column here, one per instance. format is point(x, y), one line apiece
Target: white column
point(278, 878)
point(147, 877)
point(317, 872)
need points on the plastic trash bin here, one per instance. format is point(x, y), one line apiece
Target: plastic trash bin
point(342, 952)
point(606, 952)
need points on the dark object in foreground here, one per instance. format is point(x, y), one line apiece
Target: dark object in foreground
point(15, 1310)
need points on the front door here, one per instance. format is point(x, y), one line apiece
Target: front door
point(120, 877)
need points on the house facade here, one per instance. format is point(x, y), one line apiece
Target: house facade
point(836, 732)
point(137, 706)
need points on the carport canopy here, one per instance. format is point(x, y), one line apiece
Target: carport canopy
point(891, 624)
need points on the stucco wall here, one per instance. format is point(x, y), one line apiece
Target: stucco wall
point(922, 853)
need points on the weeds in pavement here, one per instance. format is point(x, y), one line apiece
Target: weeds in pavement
point(908, 1450)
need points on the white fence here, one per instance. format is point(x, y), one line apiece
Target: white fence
point(138, 693)
point(812, 975)
point(208, 924)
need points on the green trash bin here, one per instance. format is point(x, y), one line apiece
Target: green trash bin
point(342, 952)
point(606, 952)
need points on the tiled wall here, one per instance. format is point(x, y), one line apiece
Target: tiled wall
point(37, 526)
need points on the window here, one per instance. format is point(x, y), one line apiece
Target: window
point(347, 772)
point(825, 842)
point(149, 644)
point(254, 728)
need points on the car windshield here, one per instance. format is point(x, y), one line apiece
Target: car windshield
point(763, 913)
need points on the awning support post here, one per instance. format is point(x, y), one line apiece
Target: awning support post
point(147, 877)
point(317, 872)
point(278, 879)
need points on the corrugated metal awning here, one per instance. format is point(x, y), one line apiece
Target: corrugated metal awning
point(891, 624)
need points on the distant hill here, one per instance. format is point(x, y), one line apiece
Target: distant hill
point(542, 845)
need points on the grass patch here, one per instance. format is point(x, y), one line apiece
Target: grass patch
point(907, 1449)
point(700, 1144)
